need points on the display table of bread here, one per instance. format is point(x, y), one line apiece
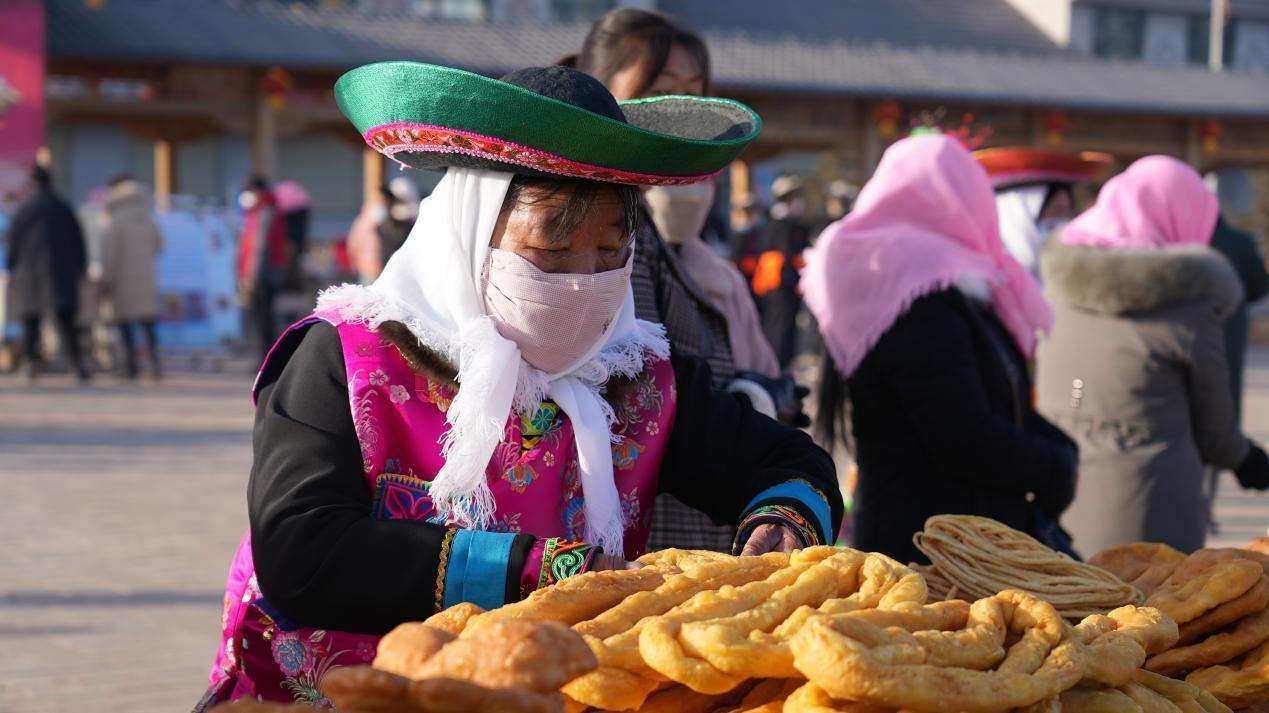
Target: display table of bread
point(828, 629)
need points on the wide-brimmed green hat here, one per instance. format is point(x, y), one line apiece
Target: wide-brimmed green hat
point(551, 121)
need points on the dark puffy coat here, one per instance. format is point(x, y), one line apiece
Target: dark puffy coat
point(942, 423)
point(46, 256)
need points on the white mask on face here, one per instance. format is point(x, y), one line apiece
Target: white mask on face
point(556, 319)
point(247, 200)
point(679, 212)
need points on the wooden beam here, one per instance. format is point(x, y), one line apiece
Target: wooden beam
point(164, 174)
point(264, 140)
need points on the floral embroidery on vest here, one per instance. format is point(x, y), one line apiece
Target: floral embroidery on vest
point(520, 476)
point(402, 497)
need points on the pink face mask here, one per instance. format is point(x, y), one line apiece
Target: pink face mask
point(555, 319)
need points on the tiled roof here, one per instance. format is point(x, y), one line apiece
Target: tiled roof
point(266, 33)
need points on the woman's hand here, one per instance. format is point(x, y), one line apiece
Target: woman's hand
point(770, 537)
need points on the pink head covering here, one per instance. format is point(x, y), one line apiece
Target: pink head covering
point(925, 220)
point(290, 197)
point(1158, 201)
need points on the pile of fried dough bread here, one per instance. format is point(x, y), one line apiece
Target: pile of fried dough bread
point(1220, 600)
point(822, 629)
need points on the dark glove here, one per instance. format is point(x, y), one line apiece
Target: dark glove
point(787, 395)
point(1059, 492)
point(1254, 471)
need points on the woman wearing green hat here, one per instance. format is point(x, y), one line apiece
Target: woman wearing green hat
point(489, 416)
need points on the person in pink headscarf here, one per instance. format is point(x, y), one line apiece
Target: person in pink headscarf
point(929, 324)
point(1135, 368)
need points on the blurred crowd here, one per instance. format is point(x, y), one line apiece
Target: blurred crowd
point(989, 345)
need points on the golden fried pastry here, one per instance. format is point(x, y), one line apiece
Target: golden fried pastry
point(450, 695)
point(1252, 601)
point(708, 575)
point(455, 618)
point(1097, 700)
point(810, 698)
point(1216, 649)
point(623, 679)
point(1144, 565)
point(513, 653)
point(1188, 697)
point(767, 696)
point(368, 690)
point(1117, 644)
point(1202, 560)
point(1258, 544)
point(1186, 598)
point(680, 699)
point(405, 649)
point(853, 660)
point(979, 557)
point(577, 598)
point(1241, 685)
point(1148, 700)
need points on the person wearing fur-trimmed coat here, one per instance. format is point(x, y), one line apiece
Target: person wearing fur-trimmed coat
point(1135, 367)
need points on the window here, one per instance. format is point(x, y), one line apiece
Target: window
point(473, 10)
point(1200, 34)
point(579, 10)
point(1118, 32)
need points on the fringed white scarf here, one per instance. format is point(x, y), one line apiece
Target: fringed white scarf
point(433, 286)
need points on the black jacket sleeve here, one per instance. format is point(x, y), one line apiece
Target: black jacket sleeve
point(722, 453)
point(931, 368)
point(321, 559)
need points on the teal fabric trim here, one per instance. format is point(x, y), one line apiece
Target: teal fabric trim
point(390, 92)
point(477, 571)
point(801, 492)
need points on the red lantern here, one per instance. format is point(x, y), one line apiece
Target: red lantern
point(276, 84)
point(887, 115)
point(1055, 125)
point(1210, 131)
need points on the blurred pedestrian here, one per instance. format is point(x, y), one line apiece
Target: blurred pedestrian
point(1136, 369)
point(747, 222)
point(47, 260)
point(295, 206)
point(1035, 194)
point(1240, 249)
point(264, 255)
point(401, 196)
point(363, 244)
point(641, 54)
point(838, 201)
point(130, 243)
point(929, 324)
point(775, 281)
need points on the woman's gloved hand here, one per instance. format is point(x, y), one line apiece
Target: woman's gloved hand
point(1254, 471)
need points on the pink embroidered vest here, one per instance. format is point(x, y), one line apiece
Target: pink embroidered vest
point(399, 416)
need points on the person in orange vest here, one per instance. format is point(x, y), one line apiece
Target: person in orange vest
point(775, 279)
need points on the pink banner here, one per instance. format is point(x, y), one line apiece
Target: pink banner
point(21, 90)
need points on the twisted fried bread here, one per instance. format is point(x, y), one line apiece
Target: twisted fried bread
point(853, 660)
point(574, 599)
point(367, 690)
point(1118, 643)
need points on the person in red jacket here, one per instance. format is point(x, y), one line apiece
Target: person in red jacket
point(263, 257)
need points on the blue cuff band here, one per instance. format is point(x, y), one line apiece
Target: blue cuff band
point(803, 493)
point(477, 570)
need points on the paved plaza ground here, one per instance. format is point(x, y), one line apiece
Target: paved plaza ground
point(120, 507)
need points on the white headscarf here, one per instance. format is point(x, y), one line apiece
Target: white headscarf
point(433, 286)
point(1019, 209)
